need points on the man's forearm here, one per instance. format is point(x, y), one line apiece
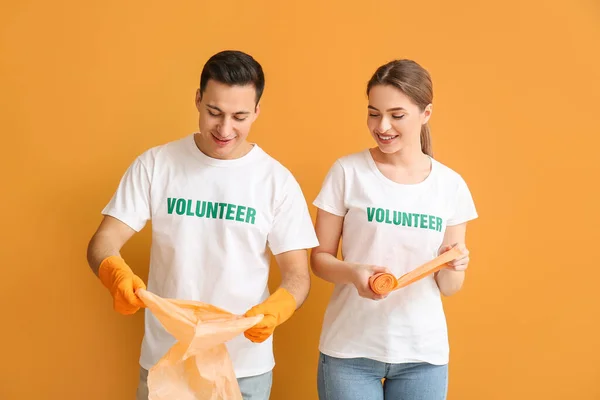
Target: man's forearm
point(295, 277)
point(298, 285)
point(100, 247)
point(107, 241)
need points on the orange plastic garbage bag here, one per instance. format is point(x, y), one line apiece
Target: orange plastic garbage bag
point(383, 283)
point(198, 366)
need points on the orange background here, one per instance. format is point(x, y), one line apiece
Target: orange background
point(87, 86)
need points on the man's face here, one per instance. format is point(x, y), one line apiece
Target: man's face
point(226, 115)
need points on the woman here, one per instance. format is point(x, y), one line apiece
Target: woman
point(395, 208)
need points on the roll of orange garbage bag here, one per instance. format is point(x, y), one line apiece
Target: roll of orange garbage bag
point(383, 283)
point(198, 366)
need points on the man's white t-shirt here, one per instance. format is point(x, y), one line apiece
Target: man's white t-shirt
point(213, 224)
point(399, 226)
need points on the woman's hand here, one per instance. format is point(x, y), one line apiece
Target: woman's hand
point(360, 279)
point(461, 263)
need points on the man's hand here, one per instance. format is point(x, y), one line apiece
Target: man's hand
point(122, 283)
point(277, 308)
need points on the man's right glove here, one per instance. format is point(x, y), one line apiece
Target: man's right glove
point(122, 283)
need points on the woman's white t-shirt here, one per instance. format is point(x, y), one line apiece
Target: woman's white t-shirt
point(399, 226)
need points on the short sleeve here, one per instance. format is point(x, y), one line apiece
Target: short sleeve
point(463, 207)
point(331, 196)
point(292, 227)
point(131, 202)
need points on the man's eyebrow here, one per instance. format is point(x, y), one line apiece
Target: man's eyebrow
point(219, 110)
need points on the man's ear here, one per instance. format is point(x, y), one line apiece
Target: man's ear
point(198, 99)
point(257, 111)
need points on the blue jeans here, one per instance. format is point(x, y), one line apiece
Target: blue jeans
point(252, 388)
point(360, 379)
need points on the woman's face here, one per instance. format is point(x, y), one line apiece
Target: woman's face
point(394, 120)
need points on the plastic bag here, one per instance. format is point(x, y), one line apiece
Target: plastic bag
point(383, 283)
point(198, 366)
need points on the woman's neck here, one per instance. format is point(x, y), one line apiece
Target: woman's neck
point(404, 158)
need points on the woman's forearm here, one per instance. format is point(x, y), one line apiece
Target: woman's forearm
point(332, 269)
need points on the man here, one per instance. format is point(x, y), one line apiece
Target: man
point(218, 204)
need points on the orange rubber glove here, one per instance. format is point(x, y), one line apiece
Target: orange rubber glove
point(122, 283)
point(277, 309)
